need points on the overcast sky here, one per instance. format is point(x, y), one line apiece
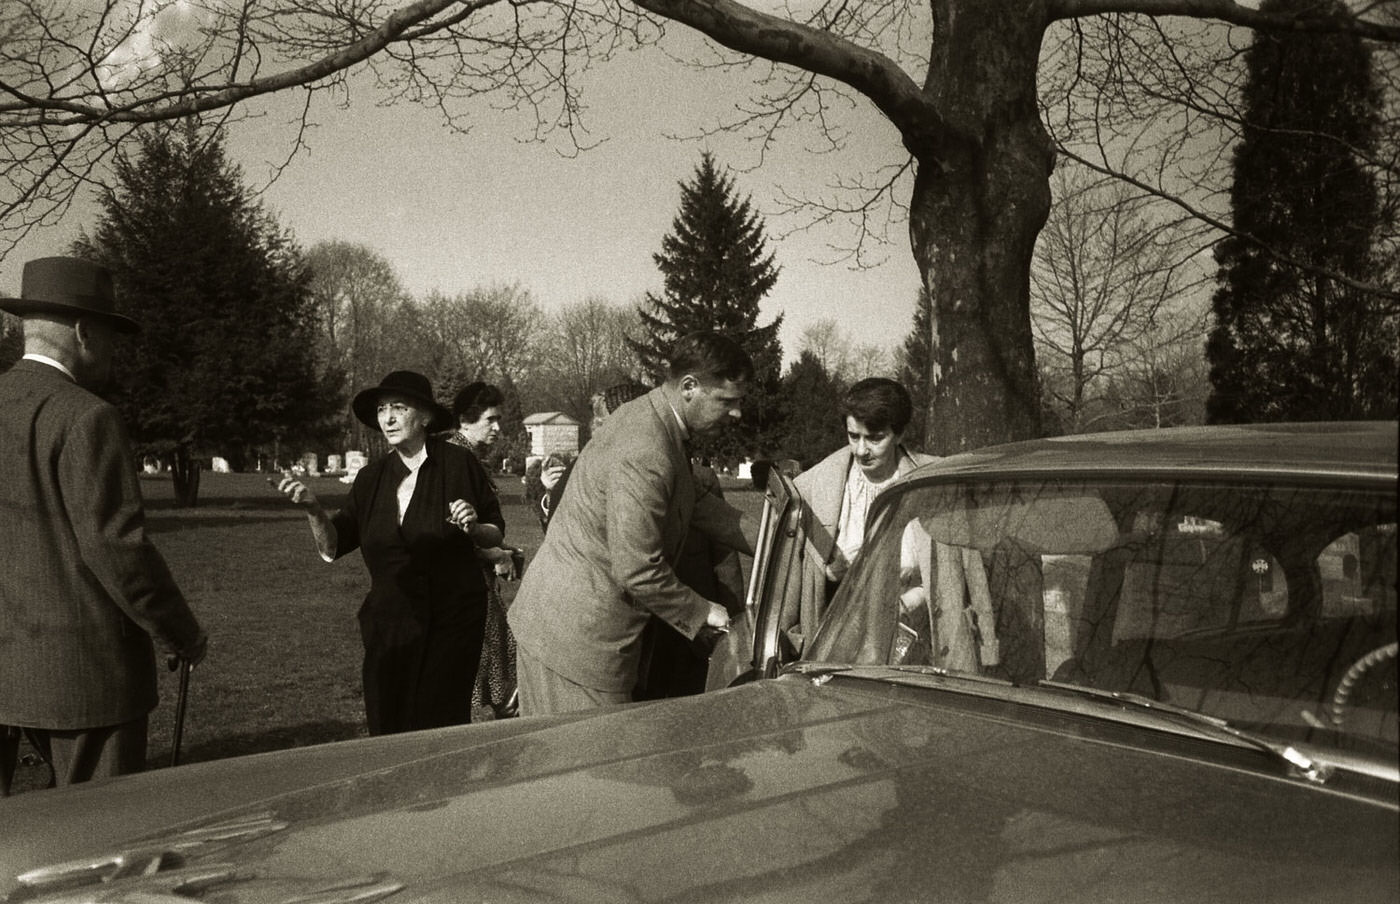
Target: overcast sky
point(453, 211)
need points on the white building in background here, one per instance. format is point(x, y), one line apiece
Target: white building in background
point(552, 431)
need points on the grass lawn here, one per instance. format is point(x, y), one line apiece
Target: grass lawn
point(283, 668)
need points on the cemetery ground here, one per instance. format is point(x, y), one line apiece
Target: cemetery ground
point(283, 668)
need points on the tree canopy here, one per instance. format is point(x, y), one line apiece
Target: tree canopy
point(223, 365)
point(984, 95)
point(11, 340)
point(1108, 273)
point(716, 268)
point(584, 350)
point(913, 368)
point(810, 408)
point(1293, 338)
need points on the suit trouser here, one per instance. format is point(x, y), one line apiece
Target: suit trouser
point(77, 755)
point(544, 691)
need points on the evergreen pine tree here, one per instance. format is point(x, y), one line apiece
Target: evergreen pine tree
point(915, 359)
point(224, 364)
point(810, 406)
point(1290, 343)
point(716, 269)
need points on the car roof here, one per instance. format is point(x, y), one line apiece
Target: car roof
point(1348, 451)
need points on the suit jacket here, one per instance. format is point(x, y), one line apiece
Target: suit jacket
point(82, 590)
point(607, 562)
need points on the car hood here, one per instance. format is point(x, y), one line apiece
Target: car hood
point(791, 789)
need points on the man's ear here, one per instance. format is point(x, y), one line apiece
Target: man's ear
point(689, 384)
point(82, 330)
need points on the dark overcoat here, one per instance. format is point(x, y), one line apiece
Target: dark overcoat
point(423, 618)
point(82, 590)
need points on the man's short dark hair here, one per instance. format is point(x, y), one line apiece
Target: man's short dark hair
point(709, 357)
point(473, 399)
point(879, 404)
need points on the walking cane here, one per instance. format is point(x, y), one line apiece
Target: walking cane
point(184, 666)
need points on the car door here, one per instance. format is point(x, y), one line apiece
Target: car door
point(775, 580)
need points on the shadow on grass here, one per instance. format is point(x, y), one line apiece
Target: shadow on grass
point(164, 525)
point(279, 738)
point(273, 505)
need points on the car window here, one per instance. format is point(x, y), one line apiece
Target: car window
point(1253, 603)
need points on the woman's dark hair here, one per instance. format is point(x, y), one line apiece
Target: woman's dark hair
point(473, 399)
point(710, 358)
point(879, 404)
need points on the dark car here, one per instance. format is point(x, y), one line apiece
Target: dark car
point(1181, 687)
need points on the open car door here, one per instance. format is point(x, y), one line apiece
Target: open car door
point(774, 582)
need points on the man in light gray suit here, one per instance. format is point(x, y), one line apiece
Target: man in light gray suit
point(606, 564)
point(82, 590)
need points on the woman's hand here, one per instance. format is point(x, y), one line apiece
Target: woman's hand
point(299, 493)
point(322, 529)
point(550, 475)
point(461, 514)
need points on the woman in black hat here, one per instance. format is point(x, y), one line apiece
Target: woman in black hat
point(417, 515)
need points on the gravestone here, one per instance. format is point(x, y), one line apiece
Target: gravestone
point(354, 461)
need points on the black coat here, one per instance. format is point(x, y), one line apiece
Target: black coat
point(423, 617)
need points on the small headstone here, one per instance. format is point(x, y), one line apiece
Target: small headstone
point(220, 465)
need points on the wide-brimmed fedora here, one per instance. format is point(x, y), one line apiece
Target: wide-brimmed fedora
point(410, 385)
point(68, 287)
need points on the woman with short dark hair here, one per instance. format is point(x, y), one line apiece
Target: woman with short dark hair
point(837, 491)
point(478, 410)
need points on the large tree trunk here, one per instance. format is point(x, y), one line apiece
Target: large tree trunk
point(980, 198)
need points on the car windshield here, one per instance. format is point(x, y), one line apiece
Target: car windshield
point(1270, 606)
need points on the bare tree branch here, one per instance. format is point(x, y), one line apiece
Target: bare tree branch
point(1236, 14)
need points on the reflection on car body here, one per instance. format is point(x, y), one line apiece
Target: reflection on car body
point(1143, 666)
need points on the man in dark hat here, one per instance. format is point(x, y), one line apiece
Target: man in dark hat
point(82, 590)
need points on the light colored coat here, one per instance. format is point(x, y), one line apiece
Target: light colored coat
point(82, 590)
point(822, 488)
point(607, 562)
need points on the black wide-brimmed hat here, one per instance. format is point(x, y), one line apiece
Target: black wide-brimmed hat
point(410, 385)
point(69, 287)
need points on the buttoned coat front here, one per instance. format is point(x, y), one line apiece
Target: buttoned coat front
point(82, 589)
point(607, 561)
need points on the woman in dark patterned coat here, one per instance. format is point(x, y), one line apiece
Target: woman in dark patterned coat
point(478, 410)
point(417, 515)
